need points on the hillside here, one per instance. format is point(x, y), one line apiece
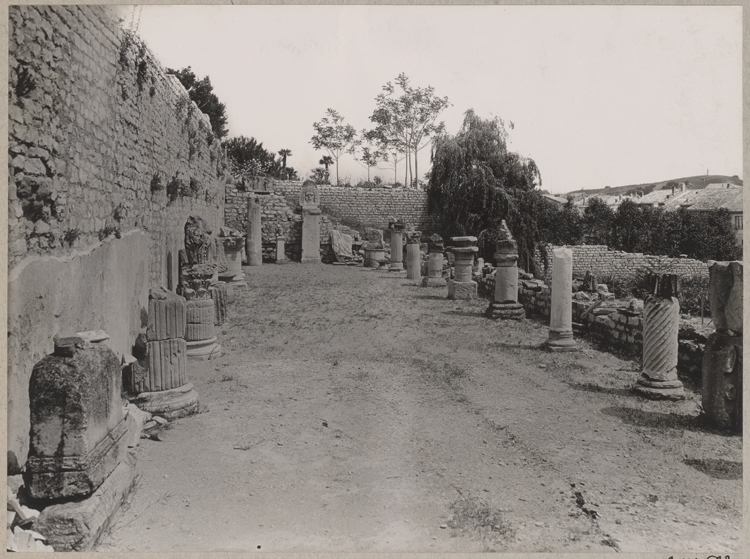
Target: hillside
point(697, 182)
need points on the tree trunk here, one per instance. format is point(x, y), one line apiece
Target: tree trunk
point(416, 167)
point(337, 171)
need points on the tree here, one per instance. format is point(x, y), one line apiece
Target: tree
point(201, 92)
point(284, 153)
point(630, 227)
point(326, 160)
point(247, 158)
point(597, 221)
point(389, 148)
point(475, 182)
point(408, 120)
point(368, 153)
point(334, 136)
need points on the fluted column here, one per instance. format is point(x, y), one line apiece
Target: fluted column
point(561, 306)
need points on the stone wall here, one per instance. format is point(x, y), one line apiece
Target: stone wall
point(99, 137)
point(107, 159)
point(353, 207)
point(624, 266)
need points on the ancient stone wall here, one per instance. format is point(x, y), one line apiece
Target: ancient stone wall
point(101, 140)
point(107, 159)
point(624, 266)
point(353, 207)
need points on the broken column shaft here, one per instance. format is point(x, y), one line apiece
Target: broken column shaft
point(505, 304)
point(661, 324)
point(397, 245)
point(561, 306)
point(254, 240)
point(722, 356)
point(413, 256)
point(434, 277)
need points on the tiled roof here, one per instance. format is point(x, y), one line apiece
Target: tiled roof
point(715, 198)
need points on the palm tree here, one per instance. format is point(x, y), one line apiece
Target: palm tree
point(326, 161)
point(284, 153)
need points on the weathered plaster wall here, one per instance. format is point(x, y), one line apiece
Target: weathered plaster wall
point(103, 287)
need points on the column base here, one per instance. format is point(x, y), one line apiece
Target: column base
point(506, 311)
point(310, 260)
point(433, 282)
point(202, 350)
point(659, 389)
point(169, 404)
point(560, 341)
point(396, 267)
point(462, 289)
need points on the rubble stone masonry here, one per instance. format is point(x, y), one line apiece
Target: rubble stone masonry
point(353, 207)
point(603, 262)
point(107, 158)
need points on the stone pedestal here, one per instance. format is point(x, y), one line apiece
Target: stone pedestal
point(413, 255)
point(254, 241)
point(78, 432)
point(434, 277)
point(311, 235)
point(722, 357)
point(462, 286)
point(561, 306)
point(199, 330)
point(661, 324)
point(233, 253)
point(281, 250)
point(505, 304)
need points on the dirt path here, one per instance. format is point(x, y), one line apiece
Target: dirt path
point(354, 411)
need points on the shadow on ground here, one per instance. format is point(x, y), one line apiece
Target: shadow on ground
point(658, 420)
point(716, 468)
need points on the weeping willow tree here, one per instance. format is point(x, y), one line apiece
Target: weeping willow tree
point(475, 183)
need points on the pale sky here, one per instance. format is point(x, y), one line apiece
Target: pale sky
point(599, 95)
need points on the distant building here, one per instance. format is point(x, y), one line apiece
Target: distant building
point(725, 195)
point(560, 202)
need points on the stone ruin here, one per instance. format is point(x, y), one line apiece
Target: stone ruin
point(434, 277)
point(561, 306)
point(280, 245)
point(79, 467)
point(196, 279)
point(413, 255)
point(722, 357)
point(661, 324)
point(309, 200)
point(462, 286)
point(396, 226)
point(157, 381)
point(374, 248)
point(505, 303)
point(254, 238)
point(231, 242)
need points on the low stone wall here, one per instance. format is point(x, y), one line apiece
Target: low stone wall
point(605, 263)
point(616, 330)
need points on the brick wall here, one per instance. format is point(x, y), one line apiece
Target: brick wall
point(353, 207)
point(604, 263)
point(96, 132)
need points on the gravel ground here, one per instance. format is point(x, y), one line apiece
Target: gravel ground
point(355, 411)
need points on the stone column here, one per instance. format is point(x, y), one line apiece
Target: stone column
point(310, 235)
point(413, 256)
point(462, 286)
point(158, 379)
point(397, 245)
point(254, 241)
point(281, 249)
point(722, 356)
point(434, 277)
point(233, 254)
point(505, 304)
point(661, 324)
point(561, 307)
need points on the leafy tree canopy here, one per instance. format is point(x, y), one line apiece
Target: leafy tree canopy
point(334, 136)
point(202, 93)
